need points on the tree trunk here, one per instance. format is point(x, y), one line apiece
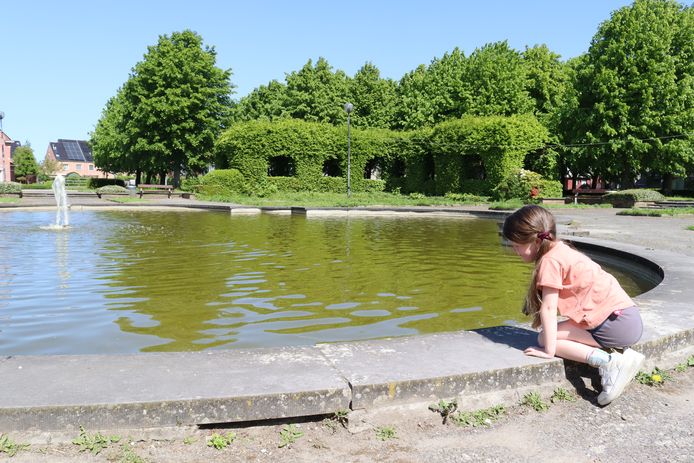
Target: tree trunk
point(148, 178)
point(138, 176)
point(668, 180)
point(162, 178)
point(177, 178)
point(627, 180)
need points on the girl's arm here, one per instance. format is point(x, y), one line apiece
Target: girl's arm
point(548, 317)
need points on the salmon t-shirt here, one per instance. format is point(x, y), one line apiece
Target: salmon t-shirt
point(587, 293)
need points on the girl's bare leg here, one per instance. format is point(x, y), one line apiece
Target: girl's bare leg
point(573, 342)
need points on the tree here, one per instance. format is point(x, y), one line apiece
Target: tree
point(635, 101)
point(24, 163)
point(265, 102)
point(547, 83)
point(168, 114)
point(495, 79)
point(415, 108)
point(110, 141)
point(373, 98)
point(317, 94)
point(48, 168)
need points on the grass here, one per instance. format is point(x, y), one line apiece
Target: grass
point(691, 228)
point(655, 378)
point(483, 417)
point(220, 442)
point(444, 408)
point(95, 443)
point(562, 395)
point(289, 434)
point(341, 200)
point(534, 401)
point(689, 363)
point(673, 211)
point(9, 446)
point(577, 206)
point(9, 200)
point(385, 433)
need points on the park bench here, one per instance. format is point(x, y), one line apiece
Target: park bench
point(155, 189)
point(587, 195)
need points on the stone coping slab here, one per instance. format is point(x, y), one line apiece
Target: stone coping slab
point(168, 389)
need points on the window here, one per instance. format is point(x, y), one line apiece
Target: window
point(281, 166)
point(64, 166)
point(78, 166)
point(331, 168)
point(91, 166)
point(373, 169)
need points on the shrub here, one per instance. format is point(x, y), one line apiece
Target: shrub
point(111, 189)
point(526, 185)
point(629, 198)
point(191, 184)
point(550, 189)
point(634, 195)
point(222, 182)
point(464, 198)
point(101, 182)
point(10, 187)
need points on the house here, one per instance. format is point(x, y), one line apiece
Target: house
point(7, 147)
point(75, 157)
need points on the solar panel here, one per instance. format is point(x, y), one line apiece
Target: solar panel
point(72, 151)
point(86, 151)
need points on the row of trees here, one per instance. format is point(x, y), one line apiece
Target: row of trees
point(624, 108)
point(493, 80)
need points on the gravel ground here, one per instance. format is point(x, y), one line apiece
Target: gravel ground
point(647, 423)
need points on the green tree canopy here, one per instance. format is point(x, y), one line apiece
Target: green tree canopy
point(495, 79)
point(267, 102)
point(317, 94)
point(373, 98)
point(169, 112)
point(635, 93)
point(24, 162)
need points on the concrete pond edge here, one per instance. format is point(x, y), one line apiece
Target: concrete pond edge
point(480, 368)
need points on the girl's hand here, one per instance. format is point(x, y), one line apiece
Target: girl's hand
point(537, 352)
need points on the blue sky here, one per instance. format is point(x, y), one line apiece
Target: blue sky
point(62, 60)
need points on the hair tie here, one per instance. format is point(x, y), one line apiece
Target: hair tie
point(545, 235)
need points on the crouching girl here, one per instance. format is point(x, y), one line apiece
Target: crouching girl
point(599, 314)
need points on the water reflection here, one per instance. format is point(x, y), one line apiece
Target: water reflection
point(181, 281)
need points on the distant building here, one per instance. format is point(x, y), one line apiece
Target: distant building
point(75, 157)
point(7, 147)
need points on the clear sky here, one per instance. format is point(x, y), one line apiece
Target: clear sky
point(60, 61)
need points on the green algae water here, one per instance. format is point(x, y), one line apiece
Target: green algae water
point(142, 281)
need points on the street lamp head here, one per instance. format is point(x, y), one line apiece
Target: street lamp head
point(348, 107)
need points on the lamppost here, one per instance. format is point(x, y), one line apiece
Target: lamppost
point(348, 110)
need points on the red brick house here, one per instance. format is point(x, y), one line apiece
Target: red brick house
point(75, 157)
point(7, 147)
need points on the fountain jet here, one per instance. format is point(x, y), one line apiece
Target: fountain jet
point(61, 201)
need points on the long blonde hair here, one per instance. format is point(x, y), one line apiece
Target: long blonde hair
point(524, 226)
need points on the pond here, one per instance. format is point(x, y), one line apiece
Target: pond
point(143, 281)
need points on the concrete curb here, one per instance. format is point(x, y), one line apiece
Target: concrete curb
point(60, 393)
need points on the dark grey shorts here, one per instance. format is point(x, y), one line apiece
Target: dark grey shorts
point(619, 330)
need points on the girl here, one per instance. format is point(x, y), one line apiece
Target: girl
point(600, 315)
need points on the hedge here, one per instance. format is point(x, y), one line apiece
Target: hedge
point(100, 182)
point(627, 198)
point(468, 155)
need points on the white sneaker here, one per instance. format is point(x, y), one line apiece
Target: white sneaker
point(617, 373)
